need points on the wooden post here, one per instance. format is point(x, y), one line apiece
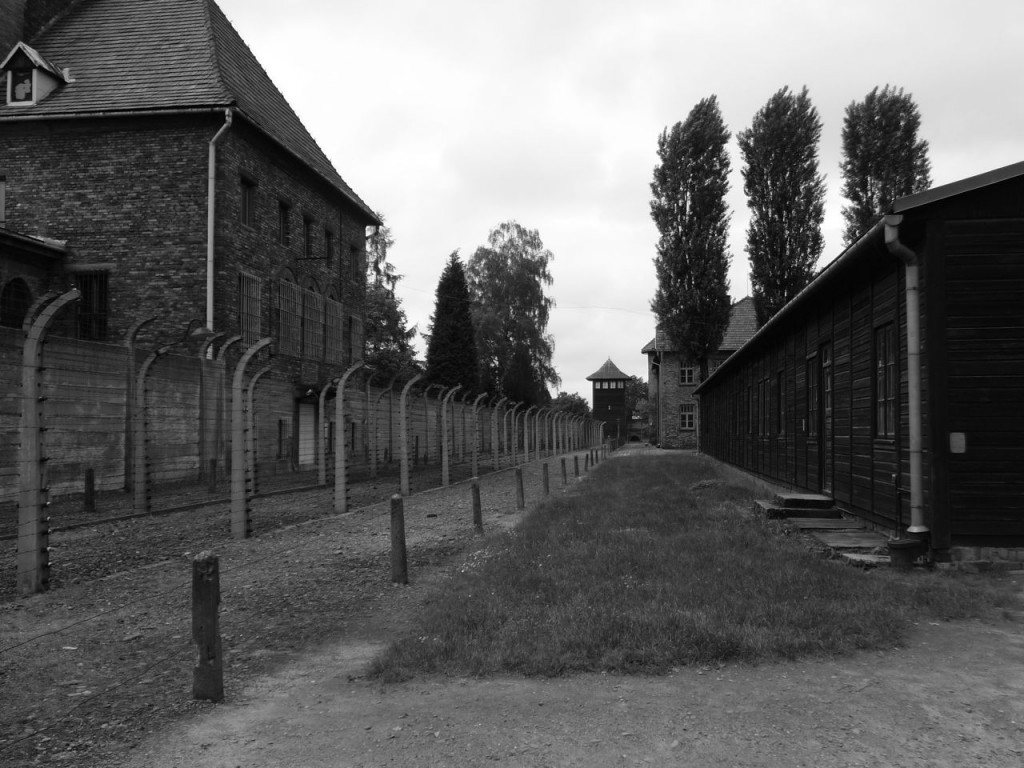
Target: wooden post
point(208, 675)
point(90, 490)
point(520, 499)
point(478, 515)
point(544, 475)
point(399, 567)
point(565, 478)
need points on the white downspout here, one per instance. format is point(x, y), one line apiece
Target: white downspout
point(211, 212)
point(910, 261)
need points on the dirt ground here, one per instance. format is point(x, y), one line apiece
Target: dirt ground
point(296, 695)
point(953, 697)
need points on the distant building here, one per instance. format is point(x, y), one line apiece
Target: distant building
point(609, 399)
point(672, 378)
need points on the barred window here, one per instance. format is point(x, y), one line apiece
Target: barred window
point(94, 306)
point(250, 307)
point(289, 318)
point(312, 325)
point(335, 331)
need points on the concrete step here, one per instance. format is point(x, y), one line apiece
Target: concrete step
point(864, 560)
point(774, 511)
point(789, 500)
point(846, 540)
point(827, 523)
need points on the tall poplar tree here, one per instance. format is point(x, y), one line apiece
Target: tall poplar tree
point(689, 209)
point(451, 353)
point(883, 158)
point(786, 197)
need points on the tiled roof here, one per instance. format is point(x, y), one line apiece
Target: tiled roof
point(146, 56)
point(742, 325)
point(607, 371)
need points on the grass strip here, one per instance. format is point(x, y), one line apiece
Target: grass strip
point(656, 562)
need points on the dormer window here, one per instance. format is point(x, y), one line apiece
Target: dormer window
point(29, 77)
point(21, 85)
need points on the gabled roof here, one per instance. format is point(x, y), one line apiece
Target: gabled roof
point(836, 270)
point(742, 325)
point(168, 56)
point(37, 59)
point(608, 371)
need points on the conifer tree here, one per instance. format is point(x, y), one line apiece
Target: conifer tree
point(883, 158)
point(692, 263)
point(786, 197)
point(451, 353)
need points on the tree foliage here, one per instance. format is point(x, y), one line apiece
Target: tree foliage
point(571, 402)
point(636, 397)
point(692, 263)
point(389, 349)
point(883, 158)
point(507, 278)
point(786, 197)
point(451, 353)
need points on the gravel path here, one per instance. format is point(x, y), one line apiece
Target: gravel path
point(91, 667)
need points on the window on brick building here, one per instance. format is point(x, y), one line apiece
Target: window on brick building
point(312, 325)
point(686, 416)
point(328, 244)
point(15, 299)
point(247, 202)
point(94, 304)
point(289, 318)
point(284, 223)
point(686, 375)
point(308, 246)
point(250, 307)
point(3, 201)
point(334, 331)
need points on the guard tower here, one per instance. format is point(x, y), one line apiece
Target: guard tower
point(610, 400)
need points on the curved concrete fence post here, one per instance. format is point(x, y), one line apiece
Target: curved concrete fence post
point(446, 446)
point(241, 522)
point(340, 443)
point(476, 434)
point(323, 433)
point(251, 427)
point(403, 432)
point(33, 563)
point(130, 342)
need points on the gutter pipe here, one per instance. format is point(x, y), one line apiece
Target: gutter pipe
point(911, 269)
point(211, 211)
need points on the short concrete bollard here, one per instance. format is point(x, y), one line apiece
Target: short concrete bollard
point(211, 477)
point(544, 477)
point(520, 497)
point(399, 566)
point(478, 515)
point(208, 675)
point(586, 462)
point(565, 477)
point(576, 465)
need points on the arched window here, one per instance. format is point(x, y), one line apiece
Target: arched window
point(15, 299)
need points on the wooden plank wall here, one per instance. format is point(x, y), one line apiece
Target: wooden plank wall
point(984, 339)
point(867, 472)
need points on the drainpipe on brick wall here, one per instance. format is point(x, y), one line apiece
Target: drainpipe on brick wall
point(910, 264)
point(211, 212)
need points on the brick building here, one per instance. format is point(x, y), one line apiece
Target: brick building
point(671, 378)
point(147, 159)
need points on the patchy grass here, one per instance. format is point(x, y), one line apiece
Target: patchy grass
point(655, 562)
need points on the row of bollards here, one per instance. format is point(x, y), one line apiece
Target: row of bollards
point(208, 674)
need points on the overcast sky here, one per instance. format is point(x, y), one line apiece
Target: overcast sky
point(452, 116)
